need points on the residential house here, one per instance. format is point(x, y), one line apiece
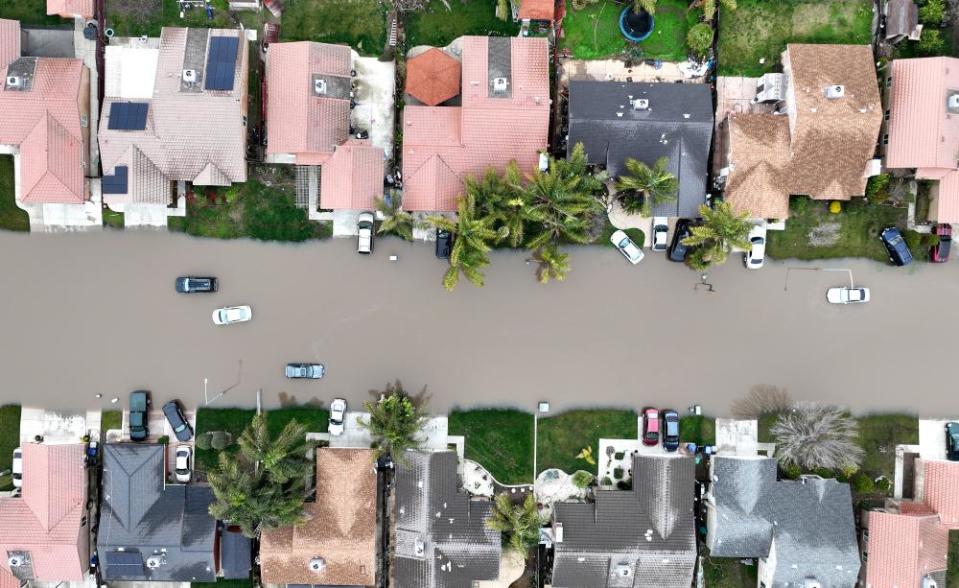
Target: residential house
point(336, 546)
point(535, 10)
point(618, 121)
point(442, 540)
point(822, 140)
point(902, 21)
point(44, 123)
point(151, 530)
point(174, 113)
point(71, 8)
point(309, 88)
point(802, 531)
point(503, 117)
point(630, 538)
point(906, 542)
point(44, 534)
point(922, 133)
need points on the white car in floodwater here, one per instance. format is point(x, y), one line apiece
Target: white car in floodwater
point(337, 416)
point(232, 314)
point(844, 295)
point(626, 246)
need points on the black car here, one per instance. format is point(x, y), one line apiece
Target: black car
point(444, 244)
point(952, 441)
point(677, 250)
point(191, 285)
point(178, 423)
point(670, 430)
point(899, 253)
point(139, 405)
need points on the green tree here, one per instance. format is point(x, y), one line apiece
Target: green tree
point(931, 43)
point(519, 523)
point(396, 221)
point(474, 235)
point(932, 12)
point(395, 420)
point(551, 264)
point(700, 38)
point(721, 230)
point(503, 199)
point(643, 187)
point(647, 5)
point(709, 7)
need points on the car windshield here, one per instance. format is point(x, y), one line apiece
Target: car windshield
point(624, 243)
point(179, 427)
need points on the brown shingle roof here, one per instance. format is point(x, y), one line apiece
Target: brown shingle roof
point(433, 77)
point(759, 150)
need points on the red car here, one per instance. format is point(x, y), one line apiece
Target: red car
point(650, 426)
point(940, 251)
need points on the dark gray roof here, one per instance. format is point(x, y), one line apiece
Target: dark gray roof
point(809, 521)
point(148, 519)
point(678, 124)
point(235, 554)
point(637, 538)
point(441, 536)
point(902, 17)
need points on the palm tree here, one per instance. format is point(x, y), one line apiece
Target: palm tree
point(395, 420)
point(502, 199)
point(643, 187)
point(709, 7)
point(721, 230)
point(283, 458)
point(471, 248)
point(395, 220)
point(519, 524)
point(552, 265)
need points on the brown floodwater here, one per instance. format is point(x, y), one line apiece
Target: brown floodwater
point(87, 314)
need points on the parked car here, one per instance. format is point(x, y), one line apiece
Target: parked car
point(139, 405)
point(337, 416)
point(660, 233)
point(229, 315)
point(896, 247)
point(174, 416)
point(650, 427)
point(626, 246)
point(940, 251)
point(183, 466)
point(365, 239)
point(444, 244)
point(846, 295)
point(309, 371)
point(670, 429)
point(952, 441)
point(17, 468)
point(192, 284)
point(677, 249)
point(756, 256)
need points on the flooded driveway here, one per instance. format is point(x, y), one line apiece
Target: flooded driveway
point(87, 314)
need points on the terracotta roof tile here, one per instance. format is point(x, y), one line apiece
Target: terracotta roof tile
point(353, 177)
point(537, 9)
point(9, 41)
point(941, 490)
point(903, 548)
point(71, 8)
point(433, 77)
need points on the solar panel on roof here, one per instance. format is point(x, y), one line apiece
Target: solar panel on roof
point(128, 116)
point(117, 183)
point(221, 63)
point(124, 558)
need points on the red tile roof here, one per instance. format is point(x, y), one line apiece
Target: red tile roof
point(903, 548)
point(9, 41)
point(71, 8)
point(537, 9)
point(433, 77)
point(444, 145)
point(46, 521)
point(7, 580)
point(940, 490)
point(353, 177)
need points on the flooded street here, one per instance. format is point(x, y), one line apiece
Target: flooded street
point(87, 314)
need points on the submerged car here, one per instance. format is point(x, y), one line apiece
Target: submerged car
point(193, 285)
point(660, 233)
point(677, 249)
point(183, 464)
point(626, 246)
point(650, 427)
point(940, 251)
point(952, 441)
point(670, 429)
point(896, 247)
point(181, 428)
point(309, 371)
point(139, 404)
point(229, 315)
point(756, 256)
point(846, 295)
point(17, 468)
point(444, 244)
point(337, 416)
point(365, 233)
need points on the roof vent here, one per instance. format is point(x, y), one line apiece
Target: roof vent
point(14, 81)
point(640, 104)
point(317, 564)
point(419, 548)
point(624, 570)
point(952, 103)
point(17, 560)
point(928, 582)
point(319, 87)
point(834, 92)
point(500, 85)
point(154, 562)
point(189, 76)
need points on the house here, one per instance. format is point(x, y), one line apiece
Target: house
point(442, 540)
point(44, 123)
point(906, 542)
point(503, 117)
point(802, 531)
point(922, 133)
point(174, 113)
point(309, 88)
point(151, 530)
point(639, 537)
point(536, 10)
point(821, 141)
point(44, 535)
point(71, 8)
point(616, 121)
point(336, 546)
point(902, 21)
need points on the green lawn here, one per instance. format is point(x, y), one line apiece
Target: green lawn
point(879, 434)
point(437, 26)
point(147, 17)
point(697, 429)
point(9, 440)
point(760, 29)
point(360, 24)
point(952, 573)
point(724, 572)
point(637, 235)
point(29, 12)
point(249, 210)
point(668, 41)
point(223, 583)
point(12, 217)
point(593, 33)
point(499, 439)
point(562, 437)
point(109, 420)
point(858, 233)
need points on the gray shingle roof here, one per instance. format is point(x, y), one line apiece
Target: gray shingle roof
point(809, 521)
point(441, 535)
point(142, 515)
point(637, 538)
point(678, 124)
point(235, 554)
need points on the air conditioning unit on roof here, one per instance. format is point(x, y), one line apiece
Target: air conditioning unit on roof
point(953, 101)
point(640, 104)
point(189, 76)
point(13, 81)
point(834, 92)
point(317, 564)
point(15, 561)
point(319, 86)
point(500, 85)
point(154, 562)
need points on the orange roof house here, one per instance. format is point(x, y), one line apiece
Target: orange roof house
point(536, 10)
point(71, 8)
point(433, 77)
point(504, 117)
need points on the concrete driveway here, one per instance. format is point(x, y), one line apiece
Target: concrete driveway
point(57, 427)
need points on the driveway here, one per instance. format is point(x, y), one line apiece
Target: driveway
point(612, 334)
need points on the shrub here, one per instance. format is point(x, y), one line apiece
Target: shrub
point(928, 240)
point(220, 440)
point(877, 188)
point(582, 479)
point(931, 43)
point(863, 484)
point(204, 441)
point(792, 471)
point(883, 485)
point(164, 440)
point(814, 436)
point(700, 38)
point(618, 473)
point(607, 481)
point(932, 12)
point(913, 240)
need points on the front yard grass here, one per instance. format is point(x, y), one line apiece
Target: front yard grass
point(697, 429)
point(30, 12)
point(361, 24)
point(760, 29)
point(12, 217)
point(501, 440)
point(9, 440)
point(562, 437)
point(726, 572)
point(852, 233)
point(593, 33)
point(878, 436)
point(132, 18)
point(438, 26)
point(110, 420)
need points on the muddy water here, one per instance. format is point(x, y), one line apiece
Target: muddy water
point(84, 314)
